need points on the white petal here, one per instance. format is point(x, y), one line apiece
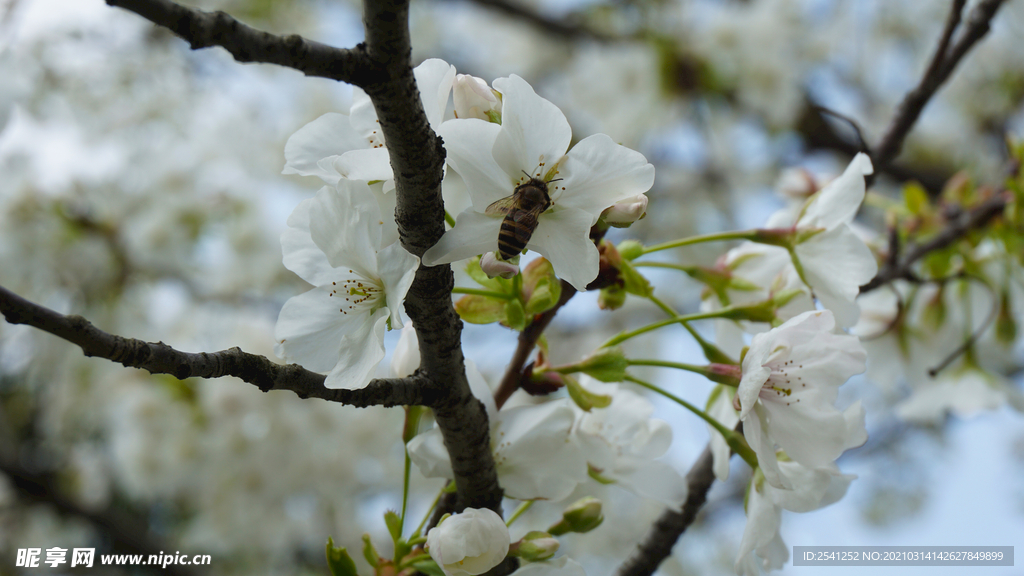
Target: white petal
point(755, 373)
point(534, 453)
point(479, 387)
point(836, 264)
point(597, 173)
point(345, 224)
point(428, 453)
point(474, 234)
point(563, 237)
point(406, 357)
point(755, 430)
point(838, 202)
point(657, 481)
point(720, 408)
point(301, 254)
point(386, 201)
point(811, 435)
point(361, 352)
point(397, 269)
point(434, 78)
point(363, 117)
point(763, 521)
point(368, 164)
point(329, 135)
point(533, 130)
point(310, 329)
point(468, 142)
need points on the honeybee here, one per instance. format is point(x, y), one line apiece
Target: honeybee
point(529, 200)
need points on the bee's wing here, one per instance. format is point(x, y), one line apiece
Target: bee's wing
point(529, 217)
point(503, 206)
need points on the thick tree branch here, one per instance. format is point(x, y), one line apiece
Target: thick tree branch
point(417, 158)
point(961, 225)
point(658, 543)
point(205, 29)
point(159, 358)
point(941, 66)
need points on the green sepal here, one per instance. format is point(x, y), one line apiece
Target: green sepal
point(369, 552)
point(758, 312)
point(394, 524)
point(480, 309)
point(429, 567)
point(583, 398)
point(605, 364)
point(635, 282)
point(338, 560)
point(581, 516)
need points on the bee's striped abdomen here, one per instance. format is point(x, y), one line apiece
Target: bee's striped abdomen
point(512, 237)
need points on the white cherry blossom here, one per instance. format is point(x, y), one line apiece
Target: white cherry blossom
point(963, 391)
point(828, 255)
point(813, 488)
point(336, 146)
point(531, 142)
point(333, 242)
point(469, 543)
point(621, 442)
point(563, 566)
point(791, 376)
point(534, 451)
point(474, 98)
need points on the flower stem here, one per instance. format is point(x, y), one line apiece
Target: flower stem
point(448, 218)
point(723, 312)
point(426, 516)
point(734, 439)
point(409, 561)
point(519, 512)
point(716, 237)
point(405, 493)
point(478, 292)
point(664, 307)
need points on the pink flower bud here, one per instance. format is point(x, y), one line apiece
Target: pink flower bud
point(624, 213)
point(493, 266)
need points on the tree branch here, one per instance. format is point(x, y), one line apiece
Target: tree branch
point(962, 224)
point(942, 64)
point(563, 29)
point(205, 29)
point(159, 358)
point(658, 543)
point(417, 159)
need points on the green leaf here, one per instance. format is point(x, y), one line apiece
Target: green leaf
point(544, 296)
point(338, 560)
point(515, 315)
point(480, 309)
point(429, 567)
point(916, 198)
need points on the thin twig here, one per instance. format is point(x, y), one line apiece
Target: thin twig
point(560, 28)
point(206, 29)
point(941, 66)
point(159, 358)
point(973, 219)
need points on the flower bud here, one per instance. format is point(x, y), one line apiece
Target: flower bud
point(796, 183)
point(625, 212)
point(630, 249)
point(536, 546)
point(469, 543)
point(494, 266)
point(582, 516)
point(475, 99)
point(611, 298)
